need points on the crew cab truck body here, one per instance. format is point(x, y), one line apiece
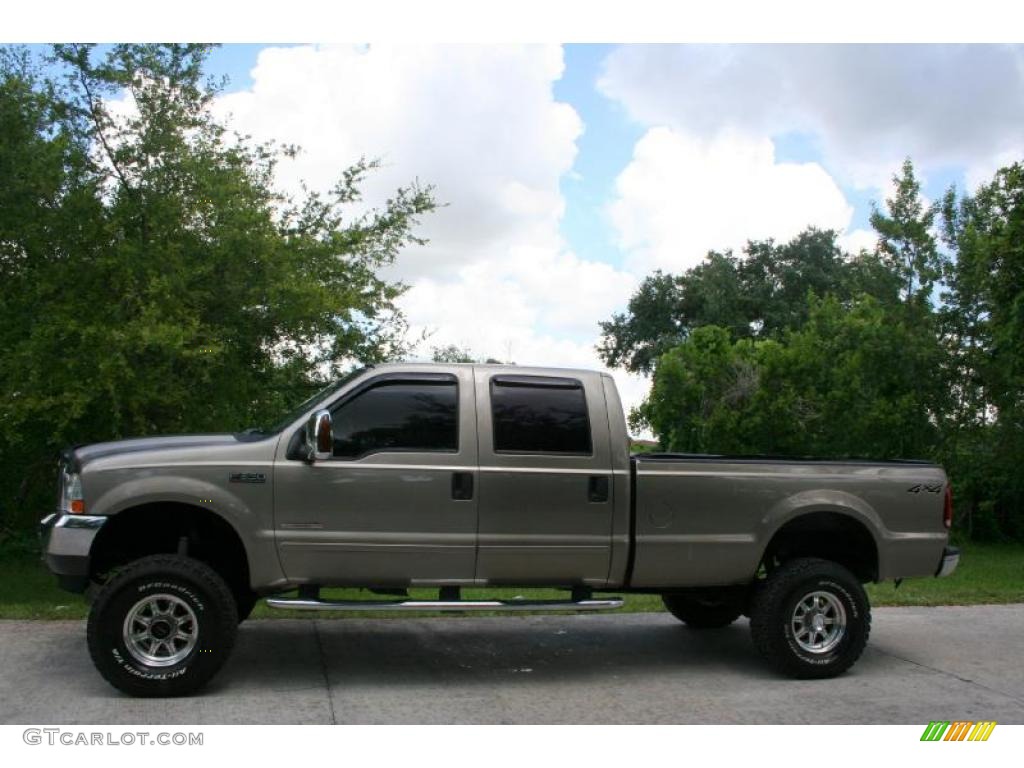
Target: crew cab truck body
point(446, 476)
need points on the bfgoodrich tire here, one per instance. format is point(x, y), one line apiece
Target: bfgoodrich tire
point(163, 626)
point(700, 612)
point(810, 619)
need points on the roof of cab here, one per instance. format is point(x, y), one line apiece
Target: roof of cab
point(525, 370)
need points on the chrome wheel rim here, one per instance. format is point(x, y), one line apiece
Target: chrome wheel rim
point(818, 622)
point(160, 630)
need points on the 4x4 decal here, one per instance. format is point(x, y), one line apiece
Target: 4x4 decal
point(927, 488)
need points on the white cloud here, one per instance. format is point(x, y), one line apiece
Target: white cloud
point(538, 306)
point(869, 106)
point(682, 195)
point(982, 171)
point(859, 240)
point(481, 124)
point(478, 123)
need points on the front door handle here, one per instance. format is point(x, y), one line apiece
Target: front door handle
point(462, 486)
point(597, 488)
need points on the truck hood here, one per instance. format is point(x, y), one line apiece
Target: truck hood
point(83, 454)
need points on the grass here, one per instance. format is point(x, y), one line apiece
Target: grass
point(988, 573)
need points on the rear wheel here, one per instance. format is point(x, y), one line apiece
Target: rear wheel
point(163, 626)
point(702, 612)
point(810, 618)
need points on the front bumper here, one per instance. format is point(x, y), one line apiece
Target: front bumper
point(950, 560)
point(67, 540)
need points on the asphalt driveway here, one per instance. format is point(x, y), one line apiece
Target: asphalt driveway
point(922, 664)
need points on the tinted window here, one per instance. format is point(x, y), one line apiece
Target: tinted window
point(398, 416)
point(536, 414)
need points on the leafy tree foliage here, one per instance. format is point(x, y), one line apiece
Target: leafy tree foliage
point(759, 295)
point(905, 239)
point(829, 388)
point(452, 353)
point(151, 277)
point(702, 390)
point(983, 325)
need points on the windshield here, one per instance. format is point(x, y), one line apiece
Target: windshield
point(306, 404)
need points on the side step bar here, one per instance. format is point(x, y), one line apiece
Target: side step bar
point(305, 604)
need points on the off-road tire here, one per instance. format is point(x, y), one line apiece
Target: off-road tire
point(773, 610)
point(701, 613)
point(193, 584)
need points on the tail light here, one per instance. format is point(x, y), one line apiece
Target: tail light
point(947, 508)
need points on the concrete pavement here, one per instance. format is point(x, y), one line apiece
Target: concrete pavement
point(922, 664)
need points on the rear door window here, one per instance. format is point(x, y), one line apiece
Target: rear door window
point(540, 414)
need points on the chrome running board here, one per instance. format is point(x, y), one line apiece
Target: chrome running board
point(305, 604)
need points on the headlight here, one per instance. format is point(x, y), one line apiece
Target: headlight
point(71, 501)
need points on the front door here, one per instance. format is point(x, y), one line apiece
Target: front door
point(546, 506)
point(396, 504)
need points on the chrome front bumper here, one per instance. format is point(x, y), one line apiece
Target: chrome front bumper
point(950, 560)
point(66, 543)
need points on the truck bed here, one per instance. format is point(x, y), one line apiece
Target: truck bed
point(701, 519)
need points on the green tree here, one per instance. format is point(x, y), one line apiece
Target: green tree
point(964, 317)
point(1003, 198)
point(452, 353)
point(761, 295)
point(985, 324)
point(153, 279)
point(829, 388)
point(700, 392)
point(651, 325)
point(863, 382)
point(906, 240)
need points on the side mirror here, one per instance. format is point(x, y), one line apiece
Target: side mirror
point(319, 437)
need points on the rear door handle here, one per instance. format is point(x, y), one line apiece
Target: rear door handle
point(597, 488)
point(462, 486)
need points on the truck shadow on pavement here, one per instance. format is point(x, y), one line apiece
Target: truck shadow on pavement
point(468, 651)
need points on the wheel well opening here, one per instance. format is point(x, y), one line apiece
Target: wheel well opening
point(828, 535)
point(152, 529)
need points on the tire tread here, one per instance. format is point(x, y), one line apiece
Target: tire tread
point(768, 599)
point(167, 566)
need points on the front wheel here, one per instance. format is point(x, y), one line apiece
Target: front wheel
point(810, 618)
point(163, 626)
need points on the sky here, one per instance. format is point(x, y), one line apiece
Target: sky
point(568, 173)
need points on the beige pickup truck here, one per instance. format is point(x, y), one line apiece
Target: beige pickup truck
point(452, 476)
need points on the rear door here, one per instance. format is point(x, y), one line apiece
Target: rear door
point(545, 504)
point(396, 503)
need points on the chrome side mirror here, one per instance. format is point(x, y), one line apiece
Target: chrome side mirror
point(319, 437)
